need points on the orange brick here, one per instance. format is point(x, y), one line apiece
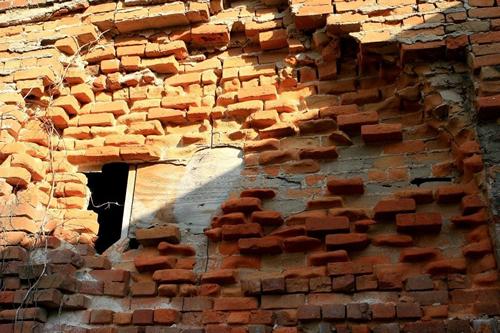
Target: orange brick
point(263, 93)
point(75, 76)
point(180, 102)
point(67, 45)
point(210, 34)
point(167, 115)
point(103, 154)
point(68, 103)
point(184, 79)
point(110, 66)
point(101, 119)
point(99, 53)
point(124, 140)
point(15, 176)
point(58, 116)
point(168, 65)
point(83, 93)
point(176, 48)
point(44, 73)
point(34, 166)
point(131, 63)
point(117, 108)
point(131, 50)
point(275, 39)
point(85, 34)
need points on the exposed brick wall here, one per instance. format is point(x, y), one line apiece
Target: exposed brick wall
point(363, 203)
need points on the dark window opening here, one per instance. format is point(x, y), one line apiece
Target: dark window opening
point(108, 189)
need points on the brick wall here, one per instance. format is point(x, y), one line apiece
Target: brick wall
point(363, 203)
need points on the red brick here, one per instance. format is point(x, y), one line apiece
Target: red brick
point(387, 209)
point(392, 240)
point(152, 263)
point(342, 268)
point(353, 122)
point(267, 218)
point(166, 316)
point(181, 249)
point(300, 244)
point(330, 224)
point(333, 311)
point(429, 297)
point(248, 230)
point(408, 310)
point(111, 275)
point(101, 316)
point(304, 272)
point(358, 311)
point(231, 218)
point(363, 225)
point(245, 205)
point(262, 317)
point(352, 241)
point(343, 283)
point(418, 254)
point(315, 126)
point(143, 288)
point(282, 301)
point(235, 303)
point(446, 266)
point(274, 285)
point(155, 235)
point(433, 326)
point(366, 282)
point(477, 249)
point(471, 220)
point(174, 276)
point(116, 289)
point(265, 245)
point(419, 282)
point(142, 317)
point(275, 157)
point(383, 311)
point(345, 186)
point(309, 312)
point(419, 222)
point(221, 276)
point(325, 203)
point(449, 193)
point(488, 106)
point(320, 284)
point(381, 133)
point(319, 153)
point(323, 258)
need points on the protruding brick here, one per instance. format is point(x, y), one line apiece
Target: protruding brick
point(352, 241)
point(346, 186)
point(381, 133)
point(155, 235)
point(419, 222)
point(387, 209)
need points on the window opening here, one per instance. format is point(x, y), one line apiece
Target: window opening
point(108, 189)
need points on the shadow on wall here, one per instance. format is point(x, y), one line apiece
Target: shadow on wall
point(189, 195)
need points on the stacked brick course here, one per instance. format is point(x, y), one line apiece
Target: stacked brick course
point(363, 201)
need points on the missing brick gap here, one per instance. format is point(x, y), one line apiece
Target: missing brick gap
point(422, 180)
point(108, 190)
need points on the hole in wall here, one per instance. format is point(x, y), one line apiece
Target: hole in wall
point(108, 189)
point(422, 180)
